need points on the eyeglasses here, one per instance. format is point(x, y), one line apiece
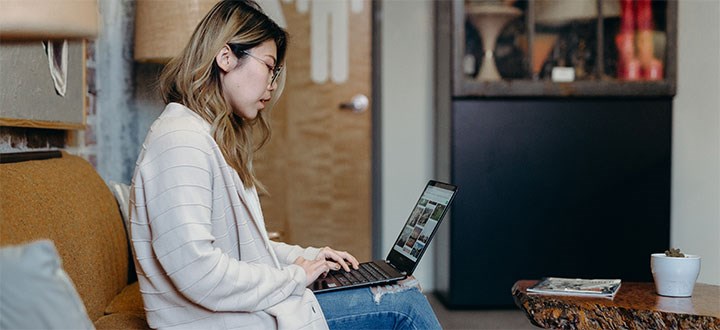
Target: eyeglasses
point(274, 71)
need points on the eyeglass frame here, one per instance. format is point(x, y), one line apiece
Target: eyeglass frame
point(274, 70)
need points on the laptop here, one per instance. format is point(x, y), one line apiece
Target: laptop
point(408, 249)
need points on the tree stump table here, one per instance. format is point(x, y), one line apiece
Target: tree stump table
point(635, 306)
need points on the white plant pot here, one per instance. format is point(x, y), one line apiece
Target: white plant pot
point(674, 277)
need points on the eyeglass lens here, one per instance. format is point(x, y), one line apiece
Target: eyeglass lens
point(274, 71)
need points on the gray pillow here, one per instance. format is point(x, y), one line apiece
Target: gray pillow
point(35, 292)
point(121, 192)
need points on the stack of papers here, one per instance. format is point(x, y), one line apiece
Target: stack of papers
point(602, 288)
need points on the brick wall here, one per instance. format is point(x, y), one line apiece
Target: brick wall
point(83, 143)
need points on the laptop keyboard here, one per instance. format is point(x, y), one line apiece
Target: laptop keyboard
point(366, 272)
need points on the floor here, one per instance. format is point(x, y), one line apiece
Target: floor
point(508, 319)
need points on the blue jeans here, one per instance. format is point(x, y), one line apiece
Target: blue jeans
point(356, 309)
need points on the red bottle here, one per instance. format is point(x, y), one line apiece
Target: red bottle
point(628, 67)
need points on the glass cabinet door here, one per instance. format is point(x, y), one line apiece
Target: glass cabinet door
point(598, 47)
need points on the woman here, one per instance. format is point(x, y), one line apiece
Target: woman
point(202, 253)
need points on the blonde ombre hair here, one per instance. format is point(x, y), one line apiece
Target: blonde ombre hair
point(193, 79)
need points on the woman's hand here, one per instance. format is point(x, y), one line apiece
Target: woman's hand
point(337, 259)
point(328, 259)
point(313, 268)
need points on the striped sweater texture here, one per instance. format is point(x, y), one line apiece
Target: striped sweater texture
point(201, 249)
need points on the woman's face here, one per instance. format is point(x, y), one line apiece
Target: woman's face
point(246, 84)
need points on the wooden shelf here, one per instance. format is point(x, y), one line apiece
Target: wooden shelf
point(545, 88)
point(451, 38)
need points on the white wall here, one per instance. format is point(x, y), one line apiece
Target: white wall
point(695, 221)
point(407, 127)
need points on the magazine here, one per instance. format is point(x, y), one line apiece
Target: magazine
point(603, 288)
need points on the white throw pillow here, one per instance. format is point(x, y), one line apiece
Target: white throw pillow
point(35, 292)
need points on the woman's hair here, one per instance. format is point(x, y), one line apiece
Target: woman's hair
point(193, 78)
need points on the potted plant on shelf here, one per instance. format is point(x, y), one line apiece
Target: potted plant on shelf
point(674, 272)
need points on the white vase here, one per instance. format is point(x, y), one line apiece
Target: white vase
point(490, 20)
point(674, 276)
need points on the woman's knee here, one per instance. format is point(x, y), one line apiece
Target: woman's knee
point(412, 309)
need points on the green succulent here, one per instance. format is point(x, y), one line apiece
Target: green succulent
point(674, 253)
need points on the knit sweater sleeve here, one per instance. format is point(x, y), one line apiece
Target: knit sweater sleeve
point(288, 253)
point(176, 179)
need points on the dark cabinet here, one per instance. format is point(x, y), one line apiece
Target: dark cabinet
point(553, 187)
point(568, 179)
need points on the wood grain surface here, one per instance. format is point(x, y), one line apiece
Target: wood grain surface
point(317, 167)
point(635, 306)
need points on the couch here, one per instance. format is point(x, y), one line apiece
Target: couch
point(65, 201)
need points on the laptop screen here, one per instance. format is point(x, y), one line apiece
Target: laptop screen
point(421, 225)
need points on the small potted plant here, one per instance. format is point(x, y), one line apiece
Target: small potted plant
point(674, 272)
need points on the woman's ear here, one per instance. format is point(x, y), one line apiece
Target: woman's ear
point(225, 59)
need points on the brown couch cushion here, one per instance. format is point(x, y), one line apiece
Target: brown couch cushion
point(66, 201)
point(121, 321)
point(128, 301)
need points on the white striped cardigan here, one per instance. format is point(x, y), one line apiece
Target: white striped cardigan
point(203, 257)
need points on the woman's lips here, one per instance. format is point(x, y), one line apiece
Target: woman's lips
point(264, 101)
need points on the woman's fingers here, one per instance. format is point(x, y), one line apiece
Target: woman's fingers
point(313, 268)
point(340, 257)
point(333, 265)
point(351, 258)
point(340, 260)
point(319, 267)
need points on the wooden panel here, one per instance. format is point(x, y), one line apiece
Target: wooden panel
point(48, 19)
point(163, 28)
point(317, 166)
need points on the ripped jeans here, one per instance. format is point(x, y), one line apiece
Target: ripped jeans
point(364, 309)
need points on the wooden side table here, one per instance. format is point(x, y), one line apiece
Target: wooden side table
point(636, 306)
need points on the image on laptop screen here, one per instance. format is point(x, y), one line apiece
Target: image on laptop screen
point(422, 222)
point(405, 254)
